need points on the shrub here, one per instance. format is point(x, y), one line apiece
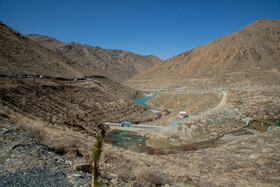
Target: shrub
point(171, 152)
point(159, 116)
point(115, 131)
point(159, 152)
point(189, 148)
point(150, 150)
point(109, 140)
point(149, 120)
point(167, 112)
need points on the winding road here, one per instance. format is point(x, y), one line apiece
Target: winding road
point(221, 103)
point(207, 112)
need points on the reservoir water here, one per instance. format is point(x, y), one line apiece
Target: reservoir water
point(142, 100)
point(129, 140)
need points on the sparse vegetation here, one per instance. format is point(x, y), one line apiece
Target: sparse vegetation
point(189, 148)
point(167, 112)
point(109, 140)
point(149, 120)
point(150, 150)
point(159, 116)
point(171, 152)
point(160, 152)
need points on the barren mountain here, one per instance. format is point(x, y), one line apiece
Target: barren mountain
point(52, 98)
point(20, 55)
point(249, 56)
point(115, 64)
point(50, 124)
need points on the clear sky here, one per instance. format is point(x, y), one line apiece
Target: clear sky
point(163, 28)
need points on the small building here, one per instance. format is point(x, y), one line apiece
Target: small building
point(183, 114)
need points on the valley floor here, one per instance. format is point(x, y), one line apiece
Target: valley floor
point(225, 154)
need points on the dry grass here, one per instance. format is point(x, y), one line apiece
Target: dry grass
point(160, 152)
point(257, 102)
point(61, 139)
point(190, 103)
point(79, 160)
point(149, 177)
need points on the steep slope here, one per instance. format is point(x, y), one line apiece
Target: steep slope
point(115, 64)
point(83, 103)
point(20, 55)
point(246, 57)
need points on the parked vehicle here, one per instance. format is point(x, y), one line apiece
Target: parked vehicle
point(125, 123)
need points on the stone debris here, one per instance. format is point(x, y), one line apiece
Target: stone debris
point(24, 161)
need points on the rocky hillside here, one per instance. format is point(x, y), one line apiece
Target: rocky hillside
point(249, 56)
point(80, 105)
point(115, 64)
point(20, 55)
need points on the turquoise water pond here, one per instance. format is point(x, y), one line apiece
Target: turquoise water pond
point(129, 140)
point(142, 100)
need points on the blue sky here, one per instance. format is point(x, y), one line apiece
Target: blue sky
point(163, 28)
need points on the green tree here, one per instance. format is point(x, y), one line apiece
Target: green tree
point(96, 153)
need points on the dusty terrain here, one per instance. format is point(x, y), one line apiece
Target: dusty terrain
point(117, 65)
point(250, 160)
point(249, 56)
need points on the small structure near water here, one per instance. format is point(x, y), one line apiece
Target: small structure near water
point(264, 123)
point(183, 115)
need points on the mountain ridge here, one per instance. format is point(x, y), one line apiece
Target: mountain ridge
point(252, 50)
point(20, 55)
point(117, 65)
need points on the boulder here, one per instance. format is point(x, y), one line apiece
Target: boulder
point(85, 167)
